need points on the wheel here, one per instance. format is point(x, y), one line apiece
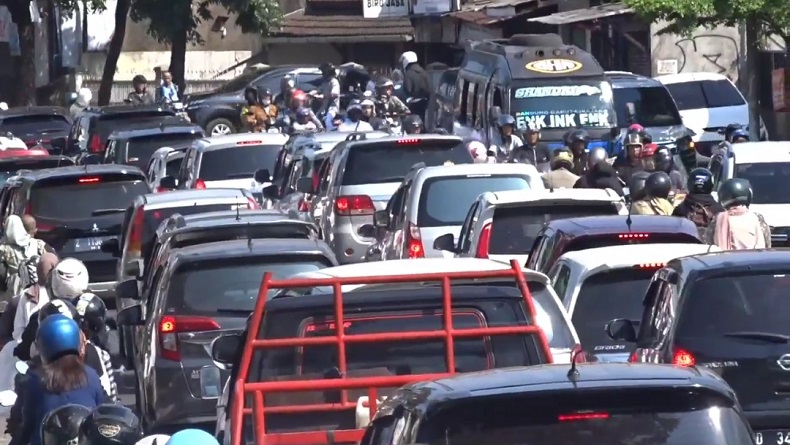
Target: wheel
point(219, 127)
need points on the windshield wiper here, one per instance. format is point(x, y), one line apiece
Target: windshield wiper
point(762, 336)
point(102, 212)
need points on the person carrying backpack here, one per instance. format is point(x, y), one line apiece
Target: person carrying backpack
point(699, 205)
point(19, 258)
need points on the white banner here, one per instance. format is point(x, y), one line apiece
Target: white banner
point(374, 9)
point(565, 120)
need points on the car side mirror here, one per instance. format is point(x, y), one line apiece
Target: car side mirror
point(271, 192)
point(131, 316)
point(58, 145)
point(262, 176)
point(112, 246)
point(168, 183)
point(381, 219)
point(621, 329)
point(367, 231)
point(127, 290)
point(224, 348)
point(91, 159)
point(445, 242)
point(305, 185)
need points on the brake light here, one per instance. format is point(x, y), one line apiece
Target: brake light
point(200, 184)
point(252, 204)
point(408, 141)
point(582, 416)
point(484, 242)
point(95, 144)
point(89, 180)
point(136, 231)
point(683, 358)
point(160, 190)
point(650, 265)
point(249, 143)
point(170, 326)
point(633, 235)
point(354, 205)
point(633, 358)
point(414, 242)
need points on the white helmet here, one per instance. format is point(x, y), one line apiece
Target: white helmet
point(69, 279)
point(84, 97)
point(408, 58)
point(154, 439)
point(478, 151)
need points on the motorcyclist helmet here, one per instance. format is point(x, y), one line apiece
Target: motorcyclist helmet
point(663, 160)
point(579, 136)
point(636, 128)
point(265, 95)
point(302, 115)
point(139, 80)
point(61, 426)
point(505, 119)
point(111, 424)
point(700, 180)
point(562, 159)
point(298, 99)
point(354, 109)
point(735, 192)
point(192, 436)
point(412, 124)
point(633, 141)
point(287, 84)
point(251, 93)
point(478, 151)
point(328, 70)
point(532, 128)
point(658, 185)
point(636, 186)
point(367, 106)
point(407, 59)
point(730, 129)
point(69, 279)
point(57, 336)
point(91, 314)
point(740, 135)
point(154, 439)
point(58, 306)
point(595, 156)
point(384, 83)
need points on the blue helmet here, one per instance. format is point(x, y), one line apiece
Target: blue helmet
point(57, 335)
point(740, 134)
point(192, 437)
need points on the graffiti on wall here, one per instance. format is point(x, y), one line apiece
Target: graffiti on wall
point(714, 50)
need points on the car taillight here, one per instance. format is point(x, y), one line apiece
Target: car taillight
point(89, 180)
point(681, 357)
point(484, 242)
point(160, 190)
point(650, 265)
point(95, 144)
point(252, 204)
point(354, 205)
point(136, 231)
point(414, 242)
point(170, 326)
point(200, 184)
point(582, 416)
point(633, 358)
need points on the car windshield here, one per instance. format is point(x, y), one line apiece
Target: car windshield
point(69, 199)
point(391, 161)
point(141, 148)
point(237, 162)
point(557, 106)
point(768, 181)
point(239, 82)
point(514, 229)
point(445, 200)
point(654, 106)
point(35, 124)
point(615, 293)
point(705, 94)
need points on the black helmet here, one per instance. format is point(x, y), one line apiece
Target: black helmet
point(138, 79)
point(61, 426)
point(636, 187)
point(730, 129)
point(327, 69)
point(579, 136)
point(735, 192)
point(384, 82)
point(663, 160)
point(264, 92)
point(57, 306)
point(110, 424)
point(91, 313)
point(700, 181)
point(412, 122)
point(658, 185)
point(250, 89)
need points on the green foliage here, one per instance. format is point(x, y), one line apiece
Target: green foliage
point(69, 7)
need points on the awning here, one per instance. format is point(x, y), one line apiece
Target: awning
point(584, 15)
point(298, 27)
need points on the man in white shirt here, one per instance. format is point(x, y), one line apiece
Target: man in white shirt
point(353, 121)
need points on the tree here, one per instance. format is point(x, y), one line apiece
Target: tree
point(114, 51)
point(175, 22)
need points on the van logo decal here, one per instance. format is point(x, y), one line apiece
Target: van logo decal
point(784, 362)
point(554, 66)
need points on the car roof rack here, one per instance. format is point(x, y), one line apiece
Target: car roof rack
point(356, 136)
point(255, 391)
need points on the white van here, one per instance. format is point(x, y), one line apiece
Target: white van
point(708, 102)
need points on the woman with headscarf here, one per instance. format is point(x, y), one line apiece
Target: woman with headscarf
point(20, 251)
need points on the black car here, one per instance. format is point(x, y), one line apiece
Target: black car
point(10, 166)
point(92, 126)
point(77, 209)
point(218, 111)
point(728, 312)
point(135, 146)
point(38, 125)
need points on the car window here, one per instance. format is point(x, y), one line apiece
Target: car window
point(75, 197)
point(654, 106)
point(140, 149)
point(444, 200)
point(705, 94)
point(153, 218)
point(768, 181)
point(35, 124)
point(238, 162)
point(241, 81)
point(173, 165)
point(560, 283)
point(308, 82)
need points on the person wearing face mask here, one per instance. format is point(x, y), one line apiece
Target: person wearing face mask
point(269, 108)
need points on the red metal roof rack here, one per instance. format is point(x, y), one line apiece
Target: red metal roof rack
point(340, 339)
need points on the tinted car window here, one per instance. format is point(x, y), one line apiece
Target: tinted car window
point(654, 106)
point(514, 229)
point(444, 201)
point(239, 82)
point(173, 165)
point(37, 123)
point(237, 162)
point(74, 198)
point(705, 94)
point(768, 181)
point(154, 218)
point(140, 149)
point(392, 161)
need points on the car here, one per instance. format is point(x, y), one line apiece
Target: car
point(77, 209)
point(504, 225)
point(165, 161)
point(569, 235)
point(360, 177)
point(9, 166)
point(591, 403)
point(38, 126)
point(93, 125)
point(135, 146)
point(724, 311)
point(390, 336)
point(708, 102)
point(596, 285)
point(199, 293)
point(432, 201)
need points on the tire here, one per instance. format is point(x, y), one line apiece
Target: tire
point(221, 126)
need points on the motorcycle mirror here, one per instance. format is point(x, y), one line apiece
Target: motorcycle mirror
point(21, 367)
point(7, 398)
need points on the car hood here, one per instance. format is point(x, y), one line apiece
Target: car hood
point(776, 215)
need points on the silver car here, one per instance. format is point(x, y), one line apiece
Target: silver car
point(164, 162)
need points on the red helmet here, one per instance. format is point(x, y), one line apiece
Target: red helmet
point(299, 95)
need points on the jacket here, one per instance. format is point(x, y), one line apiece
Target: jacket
point(652, 206)
point(416, 82)
point(559, 178)
point(140, 99)
point(747, 231)
point(600, 176)
point(692, 199)
point(537, 155)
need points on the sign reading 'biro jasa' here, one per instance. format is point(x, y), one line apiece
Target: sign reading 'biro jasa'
point(375, 9)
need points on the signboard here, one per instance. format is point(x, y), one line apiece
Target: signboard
point(779, 89)
point(434, 6)
point(666, 66)
point(374, 9)
point(554, 66)
point(557, 91)
point(559, 119)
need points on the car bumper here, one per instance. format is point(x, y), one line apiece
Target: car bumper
point(349, 247)
point(174, 405)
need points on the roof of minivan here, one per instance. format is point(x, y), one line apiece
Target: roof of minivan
point(509, 197)
point(689, 77)
point(177, 197)
point(252, 247)
point(232, 140)
point(622, 79)
point(475, 169)
point(80, 170)
point(596, 225)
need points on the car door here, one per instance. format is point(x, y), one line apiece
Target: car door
point(318, 200)
point(330, 195)
point(398, 223)
point(465, 236)
point(388, 243)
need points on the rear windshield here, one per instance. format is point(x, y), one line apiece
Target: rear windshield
point(238, 162)
point(615, 239)
point(705, 94)
point(230, 285)
point(106, 124)
point(173, 166)
point(154, 218)
point(649, 416)
point(514, 229)
point(445, 200)
point(140, 149)
point(391, 162)
point(34, 124)
point(767, 180)
point(605, 296)
point(76, 198)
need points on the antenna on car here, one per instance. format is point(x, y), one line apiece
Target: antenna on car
point(238, 212)
point(628, 219)
point(573, 373)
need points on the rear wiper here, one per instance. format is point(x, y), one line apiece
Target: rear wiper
point(764, 336)
point(102, 212)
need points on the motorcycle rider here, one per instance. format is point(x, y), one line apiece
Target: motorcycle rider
point(118, 419)
point(84, 96)
point(663, 161)
point(416, 82)
point(412, 124)
point(738, 227)
point(62, 425)
point(598, 173)
point(330, 92)
point(658, 186)
point(688, 154)
point(92, 319)
point(268, 106)
point(299, 100)
point(390, 104)
point(699, 205)
point(140, 95)
point(303, 122)
point(630, 161)
point(506, 142)
point(636, 188)
point(253, 118)
point(287, 87)
point(578, 141)
point(560, 175)
point(353, 121)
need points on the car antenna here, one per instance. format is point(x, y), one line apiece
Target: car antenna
point(238, 213)
point(628, 219)
point(573, 373)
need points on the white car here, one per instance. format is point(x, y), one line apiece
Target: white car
point(164, 162)
point(503, 226)
point(432, 201)
point(708, 102)
point(597, 285)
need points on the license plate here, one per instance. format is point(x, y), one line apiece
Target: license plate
point(89, 244)
point(772, 437)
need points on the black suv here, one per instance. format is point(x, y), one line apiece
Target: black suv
point(728, 312)
point(43, 125)
point(78, 208)
point(135, 146)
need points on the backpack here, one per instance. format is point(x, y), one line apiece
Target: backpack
point(700, 215)
point(26, 268)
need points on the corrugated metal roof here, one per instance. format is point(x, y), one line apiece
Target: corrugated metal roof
point(327, 27)
point(584, 15)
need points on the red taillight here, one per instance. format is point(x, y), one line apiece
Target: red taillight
point(252, 204)
point(200, 184)
point(650, 265)
point(683, 358)
point(95, 144)
point(408, 141)
point(170, 326)
point(89, 180)
point(304, 206)
point(633, 236)
point(582, 416)
point(414, 242)
point(633, 358)
point(484, 242)
point(160, 190)
point(136, 231)
point(354, 205)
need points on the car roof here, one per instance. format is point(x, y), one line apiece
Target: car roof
point(253, 247)
point(177, 198)
point(233, 140)
point(515, 197)
point(474, 169)
point(178, 224)
point(80, 170)
point(596, 225)
point(30, 158)
point(183, 127)
point(761, 152)
point(752, 259)
point(669, 79)
point(129, 109)
point(628, 255)
point(623, 79)
point(33, 111)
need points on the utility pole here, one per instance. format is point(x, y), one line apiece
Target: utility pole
point(752, 52)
